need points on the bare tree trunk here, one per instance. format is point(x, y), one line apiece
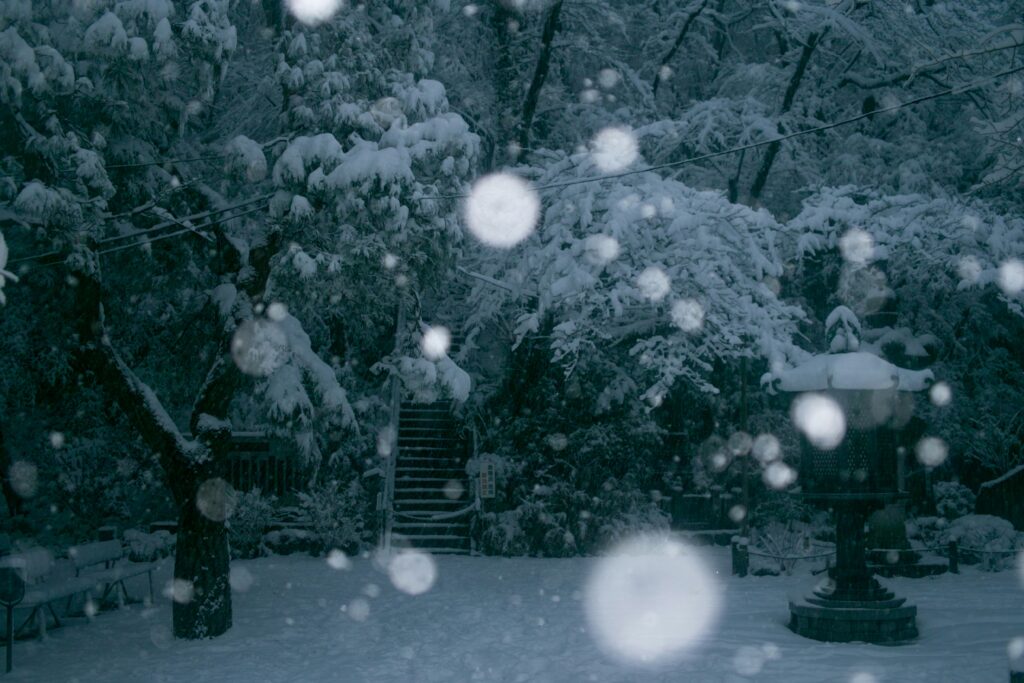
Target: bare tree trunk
point(692, 17)
point(11, 497)
point(787, 102)
point(540, 74)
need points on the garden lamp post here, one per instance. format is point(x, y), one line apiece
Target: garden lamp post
point(852, 474)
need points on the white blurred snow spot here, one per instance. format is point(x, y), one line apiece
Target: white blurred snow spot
point(337, 559)
point(589, 96)
point(1011, 277)
point(931, 451)
point(748, 660)
point(1015, 651)
point(358, 609)
point(857, 246)
point(240, 579)
point(600, 250)
point(312, 12)
point(161, 636)
point(470, 10)
point(820, 419)
point(390, 261)
point(215, 499)
point(614, 149)
point(664, 73)
point(969, 269)
point(179, 590)
point(739, 443)
point(502, 210)
point(737, 513)
point(766, 448)
point(24, 478)
point(651, 600)
point(558, 441)
point(940, 394)
point(386, 442)
point(412, 571)
point(371, 590)
point(653, 283)
point(277, 311)
point(259, 347)
point(57, 439)
point(90, 608)
point(608, 78)
point(688, 315)
point(778, 475)
point(435, 342)
point(453, 489)
point(863, 677)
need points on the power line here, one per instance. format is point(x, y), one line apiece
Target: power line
point(754, 145)
point(53, 257)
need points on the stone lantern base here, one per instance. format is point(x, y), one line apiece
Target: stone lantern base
point(875, 616)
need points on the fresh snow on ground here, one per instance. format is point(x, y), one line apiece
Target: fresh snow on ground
point(521, 619)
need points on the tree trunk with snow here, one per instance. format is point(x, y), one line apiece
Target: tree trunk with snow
point(200, 590)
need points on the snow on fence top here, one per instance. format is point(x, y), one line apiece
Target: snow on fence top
point(856, 370)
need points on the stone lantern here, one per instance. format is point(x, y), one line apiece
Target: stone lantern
point(852, 475)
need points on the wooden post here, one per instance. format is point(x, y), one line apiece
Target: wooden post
point(954, 557)
point(740, 557)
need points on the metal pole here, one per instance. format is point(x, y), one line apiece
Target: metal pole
point(745, 526)
point(10, 638)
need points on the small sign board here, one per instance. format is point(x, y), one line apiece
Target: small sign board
point(487, 480)
point(12, 584)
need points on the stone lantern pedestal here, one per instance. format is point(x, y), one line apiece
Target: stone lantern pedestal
point(851, 605)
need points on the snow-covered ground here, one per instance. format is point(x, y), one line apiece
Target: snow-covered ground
point(494, 619)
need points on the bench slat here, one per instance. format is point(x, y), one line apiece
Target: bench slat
point(101, 552)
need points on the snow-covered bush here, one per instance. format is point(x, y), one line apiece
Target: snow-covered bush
point(337, 515)
point(978, 533)
point(253, 513)
point(147, 547)
point(953, 499)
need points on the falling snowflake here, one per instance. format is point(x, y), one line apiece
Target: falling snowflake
point(688, 315)
point(24, 478)
point(820, 419)
point(651, 600)
point(312, 12)
point(857, 246)
point(614, 149)
point(940, 394)
point(653, 283)
point(435, 342)
point(216, 499)
point(179, 590)
point(931, 451)
point(259, 347)
point(778, 475)
point(240, 579)
point(336, 559)
point(412, 571)
point(502, 210)
point(600, 250)
point(1011, 277)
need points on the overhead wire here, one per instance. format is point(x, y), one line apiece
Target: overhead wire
point(763, 143)
point(956, 90)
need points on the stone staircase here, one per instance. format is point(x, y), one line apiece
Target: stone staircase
point(431, 486)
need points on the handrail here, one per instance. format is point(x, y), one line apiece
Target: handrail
point(394, 406)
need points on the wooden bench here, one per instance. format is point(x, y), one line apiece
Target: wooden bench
point(113, 572)
point(98, 570)
point(35, 566)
